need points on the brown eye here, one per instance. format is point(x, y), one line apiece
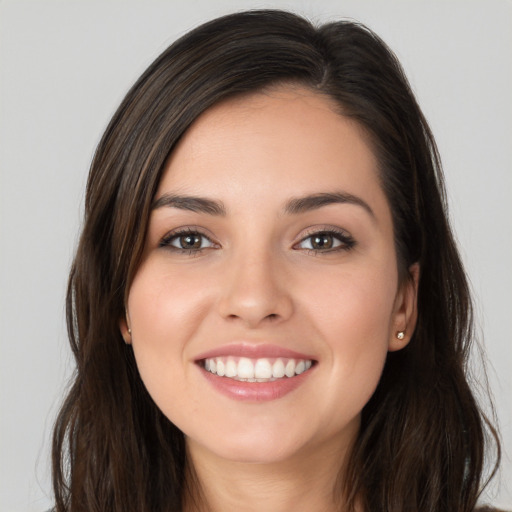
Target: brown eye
point(322, 241)
point(192, 241)
point(326, 241)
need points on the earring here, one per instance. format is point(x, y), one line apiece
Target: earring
point(129, 331)
point(400, 335)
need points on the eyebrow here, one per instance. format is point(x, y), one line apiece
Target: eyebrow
point(315, 201)
point(191, 203)
point(294, 206)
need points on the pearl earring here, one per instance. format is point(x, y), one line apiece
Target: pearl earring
point(400, 335)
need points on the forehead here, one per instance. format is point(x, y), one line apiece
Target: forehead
point(284, 141)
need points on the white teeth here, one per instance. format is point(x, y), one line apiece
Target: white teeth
point(245, 368)
point(220, 367)
point(301, 366)
point(256, 370)
point(289, 369)
point(231, 368)
point(263, 369)
point(278, 369)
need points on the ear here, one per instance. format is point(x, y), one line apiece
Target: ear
point(124, 327)
point(406, 310)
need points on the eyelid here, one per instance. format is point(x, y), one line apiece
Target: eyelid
point(346, 240)
point(343, 236)
point(165, 241)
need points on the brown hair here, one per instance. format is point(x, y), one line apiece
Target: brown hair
point(421, 443)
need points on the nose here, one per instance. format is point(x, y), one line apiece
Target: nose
point(255, 290)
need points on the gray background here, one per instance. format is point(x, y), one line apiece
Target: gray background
point(65, 66)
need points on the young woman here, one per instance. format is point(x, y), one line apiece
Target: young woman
point(267, 307)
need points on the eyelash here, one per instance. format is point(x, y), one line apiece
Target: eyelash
point(346, 241)
point(167, 240)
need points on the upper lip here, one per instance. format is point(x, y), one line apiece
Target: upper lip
point(252, 351)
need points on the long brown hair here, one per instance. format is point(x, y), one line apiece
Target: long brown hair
point(422, 437)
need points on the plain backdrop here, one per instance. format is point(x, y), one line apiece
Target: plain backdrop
point(64, 68)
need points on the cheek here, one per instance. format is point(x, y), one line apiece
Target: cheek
point(165, 312)
point(163, 305)
point(356, 303)
point(354, 316)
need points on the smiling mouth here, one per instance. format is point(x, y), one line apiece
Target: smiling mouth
point(263, 369)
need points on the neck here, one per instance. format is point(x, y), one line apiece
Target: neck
point(307, 481)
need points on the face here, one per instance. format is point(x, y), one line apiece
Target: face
point(268, 294)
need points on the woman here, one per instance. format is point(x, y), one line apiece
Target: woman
point(267, 307)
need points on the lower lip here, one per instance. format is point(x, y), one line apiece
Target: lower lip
point(255, 391)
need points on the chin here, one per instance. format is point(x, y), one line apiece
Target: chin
point(250, 445)
point(257, 454)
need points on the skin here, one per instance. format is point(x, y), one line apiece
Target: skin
point(259, 279)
